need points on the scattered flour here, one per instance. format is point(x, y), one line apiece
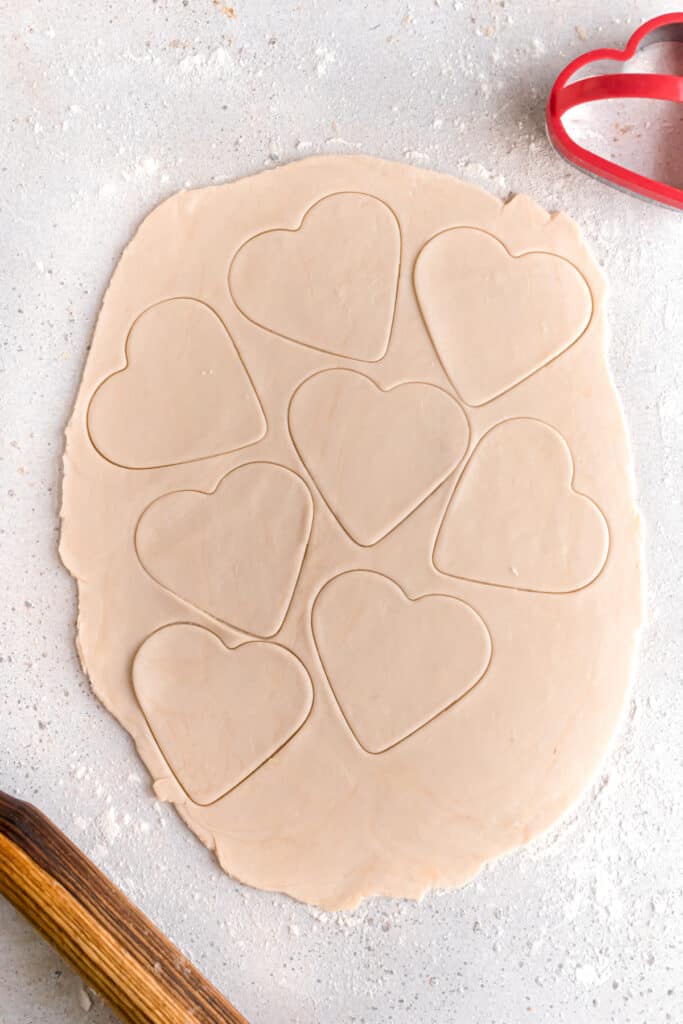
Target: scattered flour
point(108, 825)
point(84, 1000)
point(199, 64)
point(325, 58)
point(150, 165)
point(337, 140)
point(586, 975)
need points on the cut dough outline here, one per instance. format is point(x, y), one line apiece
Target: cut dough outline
point(573, 490)
point(294, 230)
point(208, 494)
point(394, 387)
point(413, 600)
point(126, 366)
point(243, 643)
point(514, 256)
point(445, 842)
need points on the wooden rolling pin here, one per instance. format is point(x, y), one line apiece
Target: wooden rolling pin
point(111, 944)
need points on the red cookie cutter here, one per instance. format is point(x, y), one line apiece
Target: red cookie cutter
point(566, 94)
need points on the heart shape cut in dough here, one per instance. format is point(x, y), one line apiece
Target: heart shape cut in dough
point(375, 455)
point(218, 713)
point(495, 318)
point(331, 282)
point(514, 519)
point(235, 553)
point(183, 395)
point(395, 663)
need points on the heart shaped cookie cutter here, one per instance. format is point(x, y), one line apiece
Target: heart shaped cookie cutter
point(566, 94)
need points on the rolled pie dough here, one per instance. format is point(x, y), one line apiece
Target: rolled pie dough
point(348, 497)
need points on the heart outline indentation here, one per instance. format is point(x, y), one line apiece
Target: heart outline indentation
point(492, 394)
point(246, 648)
point(302, 226)
point(407, 605)
point(410, 506)
point(198, 498)
point(571, 492)
point(116, 376)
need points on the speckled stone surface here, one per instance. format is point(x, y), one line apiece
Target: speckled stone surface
point(107, 109)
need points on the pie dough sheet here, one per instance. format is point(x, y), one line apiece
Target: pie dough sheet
point(435, 459)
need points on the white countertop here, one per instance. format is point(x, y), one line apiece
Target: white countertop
point(105, 109)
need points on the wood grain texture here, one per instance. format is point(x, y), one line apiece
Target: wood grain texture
point(112, 945)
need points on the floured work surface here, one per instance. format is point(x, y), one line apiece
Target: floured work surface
point(348, 498)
